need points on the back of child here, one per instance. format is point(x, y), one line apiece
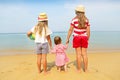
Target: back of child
point(42, 39)
point(59, 50)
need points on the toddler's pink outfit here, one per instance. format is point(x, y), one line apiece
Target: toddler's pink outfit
point(61, 57)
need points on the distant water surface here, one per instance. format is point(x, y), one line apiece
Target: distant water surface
point(106, 41)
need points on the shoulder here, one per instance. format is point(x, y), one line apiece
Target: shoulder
point(74, 21)
point(87, 22)
point(48, 31)
point(32, 29)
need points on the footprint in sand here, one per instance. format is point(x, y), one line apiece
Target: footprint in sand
point(93, 70)
point(2, 72)
point(98, 74)
point(10, 71)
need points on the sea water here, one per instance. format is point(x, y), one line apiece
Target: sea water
point(106, 41)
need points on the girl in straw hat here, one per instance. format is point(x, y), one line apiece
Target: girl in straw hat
point(80, 28)
point(42, 39)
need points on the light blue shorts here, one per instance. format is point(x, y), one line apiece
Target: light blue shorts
point(42, 48)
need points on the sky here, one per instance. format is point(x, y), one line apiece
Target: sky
point(19, 16)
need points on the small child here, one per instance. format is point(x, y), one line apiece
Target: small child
point(61, 57)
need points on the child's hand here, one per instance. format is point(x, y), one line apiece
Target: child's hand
point(51, 51)
point(51, 48)
point(66, 44)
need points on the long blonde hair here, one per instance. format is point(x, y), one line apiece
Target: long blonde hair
point(81, 19)
point(39, 27)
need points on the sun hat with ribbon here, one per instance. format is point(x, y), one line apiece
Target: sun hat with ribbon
point(42, 17)
point(80, 8)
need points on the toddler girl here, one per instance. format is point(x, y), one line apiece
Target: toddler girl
point(59, 50)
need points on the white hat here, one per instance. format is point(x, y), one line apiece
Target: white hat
point(80, 8)
point(42, 17)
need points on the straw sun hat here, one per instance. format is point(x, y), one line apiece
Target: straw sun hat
point(42, 17)
point(80, 8)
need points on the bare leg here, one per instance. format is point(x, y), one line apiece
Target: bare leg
point(44, 56)
point(85, 59)
point(78, 58)
point(58, 68)
point(65, 67)
point(39, 57)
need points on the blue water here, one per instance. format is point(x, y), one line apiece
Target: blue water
point(99, 41)
point(103, 40)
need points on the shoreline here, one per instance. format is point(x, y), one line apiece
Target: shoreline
point(102, 66)
point(8, 52)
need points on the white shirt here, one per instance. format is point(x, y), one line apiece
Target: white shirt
point(42, 38)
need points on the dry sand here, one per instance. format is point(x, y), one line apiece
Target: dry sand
point(102, 66)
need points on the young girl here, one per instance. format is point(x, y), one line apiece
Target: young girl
point(59, 50)
point(42, 38)
point(81, 32)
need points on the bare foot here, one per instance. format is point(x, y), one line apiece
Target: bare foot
point(86, 71)
point(40, 71)
point(65, 68)
point(78, 71)
point(46, 72)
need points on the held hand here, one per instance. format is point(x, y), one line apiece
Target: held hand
point(67, 41)
point(51, 51)
point(51, 48)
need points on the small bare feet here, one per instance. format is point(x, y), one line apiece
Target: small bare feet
point(65, 68)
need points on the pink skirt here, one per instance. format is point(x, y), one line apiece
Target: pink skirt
point(61, 59)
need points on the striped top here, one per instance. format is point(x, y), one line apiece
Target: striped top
point(77, 31)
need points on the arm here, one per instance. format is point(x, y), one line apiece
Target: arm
point(53, 50)
point(69, 34)
point(66, 46)
point(29, 33)
point(49, 41)
point(88, 32)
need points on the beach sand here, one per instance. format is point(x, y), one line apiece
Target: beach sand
point(102, 66)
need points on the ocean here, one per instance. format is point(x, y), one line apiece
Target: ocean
point(100, 41)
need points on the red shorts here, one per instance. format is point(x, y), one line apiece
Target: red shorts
point(80, 41)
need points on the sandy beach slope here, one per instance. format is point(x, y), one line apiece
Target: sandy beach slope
point(102, 66)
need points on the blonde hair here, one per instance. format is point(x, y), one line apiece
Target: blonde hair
point(39, 27)
point(81, 20)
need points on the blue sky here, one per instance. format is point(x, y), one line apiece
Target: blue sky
point(19, 16)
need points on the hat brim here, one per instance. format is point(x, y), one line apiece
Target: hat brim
point(43, 20)
point(79, 10)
